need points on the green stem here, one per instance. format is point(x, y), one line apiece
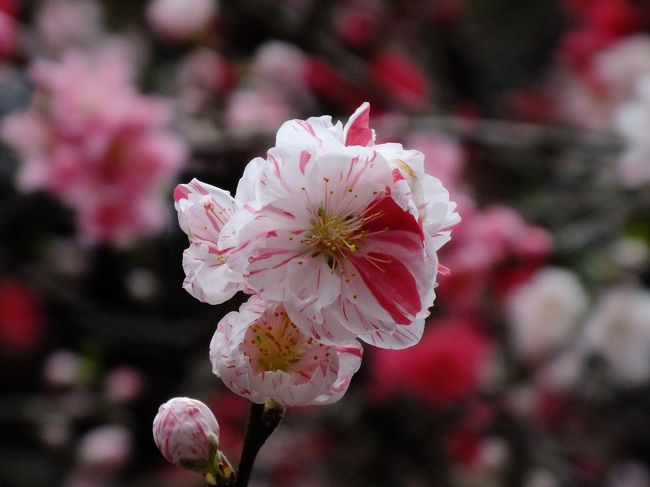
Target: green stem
point(262, 421)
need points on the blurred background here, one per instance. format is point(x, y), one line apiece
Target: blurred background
point(535, 366)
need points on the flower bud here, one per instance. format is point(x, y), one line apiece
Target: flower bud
point(187, 434)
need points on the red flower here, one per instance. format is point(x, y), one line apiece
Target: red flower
point(21, 318)
point(446, 365)
point(400, 78)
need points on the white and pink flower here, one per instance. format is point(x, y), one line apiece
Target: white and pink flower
point(203, 210)
point(259, 353)
point(343, 232)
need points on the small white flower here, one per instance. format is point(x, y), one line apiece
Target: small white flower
point(544, 312)
point(619, 331)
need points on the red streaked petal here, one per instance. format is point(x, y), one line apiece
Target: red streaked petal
point(391, 284)
point(358, 127)
point(391, 217)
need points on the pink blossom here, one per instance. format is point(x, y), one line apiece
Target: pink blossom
point(482, 242)
point(181, 20)
point(358, 26)
point(259, 353)
point(341, 231)
point(206, 70)
point(281, 63)
point(8, 27)
point(544, 313)
point(21, 317)
point(618, 332)
point(123, 384)
point(62, 24)
point(91, 140)
point(251, 110)
point(447, 364)
point(203, 210)
point(401, 78)
point(105, 448)
point(186, 433)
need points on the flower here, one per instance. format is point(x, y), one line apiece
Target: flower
point(618, 332)
point(449, 363)
point(203, 210)
point(187, 434)
point(545, 312)
point(8, 30)
point(259, 353)
point(106, 448)
point(180, 20)
point(61, 24)
point(22, 321)
point(92, 141)
point(341, 231)
point(401, 79)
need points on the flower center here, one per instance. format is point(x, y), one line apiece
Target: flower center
point(274, 343)
point(335, 236)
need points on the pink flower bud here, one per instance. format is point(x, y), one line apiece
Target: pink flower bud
point(187, 434)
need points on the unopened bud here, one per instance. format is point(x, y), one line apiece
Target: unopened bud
point(187, 434)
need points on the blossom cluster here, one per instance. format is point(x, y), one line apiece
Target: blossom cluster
point(336, 239)
point(92, 141)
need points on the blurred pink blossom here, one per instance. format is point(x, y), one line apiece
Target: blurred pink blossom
point(253, 110)
point(484, 240)
point(63, 24)
point(180, 20)
point(598, 24)
point(91, 140)
point(63, 368)
point(105, 448)
point(206, 70)
point(281, 63)
point(123, 384)
point(8, 27)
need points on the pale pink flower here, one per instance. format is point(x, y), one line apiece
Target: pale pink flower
point(259, 353)
point(186, 433)
point(105, 448)
point(91, 140)
point(62, 24)
point(181, 20)
point(282, 63)
point(619, 332)
point(8, 34)
point(252, 110)
point(203, 210)
point(484, 240)
point(341, 231)
point(545, 312)
point(123, 384)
